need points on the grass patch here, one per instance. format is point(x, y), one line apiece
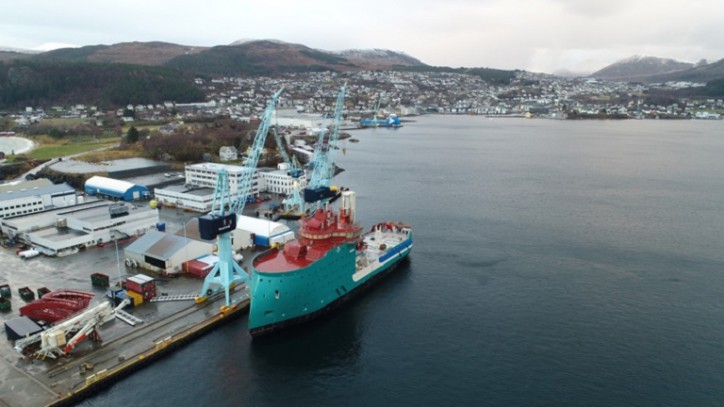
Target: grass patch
point(49, 147)
point(45, 152)
point(108, 155)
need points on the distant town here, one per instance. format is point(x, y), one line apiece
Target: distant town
point(372, 93)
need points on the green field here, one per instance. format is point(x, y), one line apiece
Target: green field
point(53, 151)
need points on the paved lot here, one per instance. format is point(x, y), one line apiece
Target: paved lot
point(31, 382)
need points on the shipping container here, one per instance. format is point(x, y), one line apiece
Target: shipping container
point(26, 293)
point(5, 304)
point(197, 268)
point(100, 280)
point(142, 284)
point(136, 297)
point(21, 327)
point(5, 291)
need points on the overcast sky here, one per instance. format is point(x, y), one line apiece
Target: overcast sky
point(537, 35)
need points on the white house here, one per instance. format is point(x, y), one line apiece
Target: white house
point(228, 153)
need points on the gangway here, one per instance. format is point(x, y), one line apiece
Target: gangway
point(178, 297)
point(131, 320)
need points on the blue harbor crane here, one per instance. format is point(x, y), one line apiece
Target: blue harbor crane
point(225, 210)
point(319, 187)
point(294, 203)
point(294, 169)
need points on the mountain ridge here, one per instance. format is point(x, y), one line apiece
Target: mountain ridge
point(640, 68)
point(240, 57)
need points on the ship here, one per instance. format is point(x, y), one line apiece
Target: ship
point(330, 262)
point(391, 121)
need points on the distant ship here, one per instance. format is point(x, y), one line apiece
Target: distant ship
point(391, 121)
point(329, 263)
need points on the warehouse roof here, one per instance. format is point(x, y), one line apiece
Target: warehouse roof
point(143, 243)
point(36, 190)
point(82, 167)
point(17, 186)
point(108, 184)
point(158, 245)
point(261, 227)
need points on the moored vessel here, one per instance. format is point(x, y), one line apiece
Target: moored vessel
point(330, 262)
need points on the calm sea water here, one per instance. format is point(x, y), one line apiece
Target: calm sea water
point(555, 263)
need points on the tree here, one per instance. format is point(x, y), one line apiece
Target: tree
point(6, 124)
point(56, 133)
point(132, 135)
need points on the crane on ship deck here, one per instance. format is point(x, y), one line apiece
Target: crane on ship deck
point(221, 222)
point(319, 188)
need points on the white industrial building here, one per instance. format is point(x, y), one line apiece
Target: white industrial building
point(279, 181)
point(165, 253)
point(204, 175)
point(197, 194)
point(34, 196)
point(61, 231)
point(265, 232)
point(240, 239)
point(197, 199)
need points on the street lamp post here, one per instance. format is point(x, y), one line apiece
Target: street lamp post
point(118, 259)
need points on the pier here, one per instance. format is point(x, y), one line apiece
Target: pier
point(134, 339)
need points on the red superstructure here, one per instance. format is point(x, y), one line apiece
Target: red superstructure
point(317, 234)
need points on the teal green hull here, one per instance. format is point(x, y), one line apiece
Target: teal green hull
point(281, 299)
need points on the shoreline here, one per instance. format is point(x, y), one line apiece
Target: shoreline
point(18, 145)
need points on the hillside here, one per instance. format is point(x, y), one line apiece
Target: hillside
point(378, 58)
point(703, 73)
point(244, 57)
point(259, 58)
point(640, 68)
point(138, 53)
point(10, 55)
point(43, 83)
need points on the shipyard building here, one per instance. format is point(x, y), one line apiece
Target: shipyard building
point(204, 175)
point(165, 253)
point(34, 196)
point(198, 199)
point(198, 192)
point(65, 230)
point(115, 189)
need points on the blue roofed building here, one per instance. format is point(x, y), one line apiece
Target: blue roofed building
point(115, 189)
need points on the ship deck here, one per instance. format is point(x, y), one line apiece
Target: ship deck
point(281, 261)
